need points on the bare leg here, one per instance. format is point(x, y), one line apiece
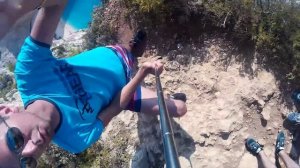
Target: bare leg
point(149, 105)
point(12, 10)
point(176, 108)
point(287, 160)
point(46, 22)
point(266, 163)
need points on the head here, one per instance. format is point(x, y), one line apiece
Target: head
point(23, 134)
point(138, 43)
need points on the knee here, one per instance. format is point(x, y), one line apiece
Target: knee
point(181, 108)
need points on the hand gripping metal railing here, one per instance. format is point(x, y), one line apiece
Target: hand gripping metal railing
point(170, 152)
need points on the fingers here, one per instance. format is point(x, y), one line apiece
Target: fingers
point(5, 110)
point(155, 66)
point(151, 67)
point(155, 58)
point(150, 59)
point(158, 66)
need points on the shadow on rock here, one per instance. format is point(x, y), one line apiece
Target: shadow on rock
point(150, 151)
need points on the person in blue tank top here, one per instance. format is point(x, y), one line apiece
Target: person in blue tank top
point(69, 101)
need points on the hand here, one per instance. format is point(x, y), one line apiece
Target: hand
point(149, 67)
point(6, 109)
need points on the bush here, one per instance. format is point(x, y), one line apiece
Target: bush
point(11, 66)
point(109, 153)
point(7, 83)
point(148, 6)
point(101, 32)
point(105, 154)
point(273, 26)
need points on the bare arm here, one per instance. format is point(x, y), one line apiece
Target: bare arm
point(46, 22)
point(122, 99)
point(12, 10)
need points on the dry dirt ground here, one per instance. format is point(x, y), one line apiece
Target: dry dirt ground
point(228, 101)
point(225, 106)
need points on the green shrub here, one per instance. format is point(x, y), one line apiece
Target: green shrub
point(148, 5)
point(269, 26)
point(64, 51)
point(101, 32)
point(296, 44)
point(11, 66)
point(273, 26)
point(105, 154)
point(7, 83)
point(109, 153)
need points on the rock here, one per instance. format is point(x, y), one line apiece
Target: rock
point(10, 96)
point(248, 161)
point(184, 162)
point(7, 57)
point(17, 98)
point(179, 46)
point(69, 45)
point(276, 125)
point(140, 159)
point(265, 114)
point(182, 59)
point(172, 66)
point(261, 103)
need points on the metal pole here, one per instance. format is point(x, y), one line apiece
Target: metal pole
point(170, 151)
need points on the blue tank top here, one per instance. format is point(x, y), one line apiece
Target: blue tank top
point(79, 86)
